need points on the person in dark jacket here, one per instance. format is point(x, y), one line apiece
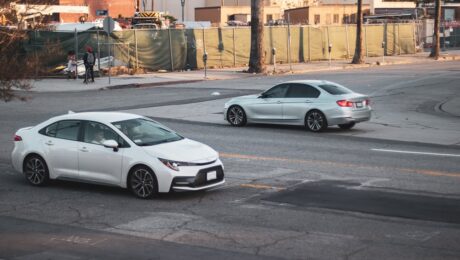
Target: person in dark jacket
point(89, 59)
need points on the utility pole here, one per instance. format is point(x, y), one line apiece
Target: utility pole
point(183, 5)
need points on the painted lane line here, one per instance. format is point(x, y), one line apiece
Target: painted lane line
point(413, 152)
point(334, 164)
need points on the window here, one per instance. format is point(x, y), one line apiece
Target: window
point(68, 129)
point(336, 18)
point(97, 133)
point(269, 17)
point(302, 91)
point(144, 132)
point(335, 89)
point(353, 18)
point(49, 130)
point(278, 91)
point(317, 19)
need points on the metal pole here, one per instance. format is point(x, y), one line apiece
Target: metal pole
point(98, 54)
point(76, 53)
point(399, 41)
point(365, 40)
point(110, 57)
point(234, 49)
point(183, 5)
point(346, 38)
point(205, 61)
point(413, 37)
point(289, 42)
point(135, 43)
point(443, 26)
point(129, 57)
point(170, 50)
point(328, 45)
point(309, 43)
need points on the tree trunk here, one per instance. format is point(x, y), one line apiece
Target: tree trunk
point(256, 60)
point(358, 57)
point(435, 49)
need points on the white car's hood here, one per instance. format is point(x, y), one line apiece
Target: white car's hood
point(185, 150)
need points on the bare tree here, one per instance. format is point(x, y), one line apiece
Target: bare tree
point(17, 66)
point(256, 60)
point(437, 20)
point(359, 50)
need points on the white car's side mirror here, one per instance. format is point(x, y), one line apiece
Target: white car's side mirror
point(111, 144)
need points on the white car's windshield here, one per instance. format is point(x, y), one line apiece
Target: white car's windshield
point(144, 132)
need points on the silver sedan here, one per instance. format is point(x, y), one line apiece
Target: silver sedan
point(316, 104)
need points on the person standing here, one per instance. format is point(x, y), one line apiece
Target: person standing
point(71, 65)
point(88, 59)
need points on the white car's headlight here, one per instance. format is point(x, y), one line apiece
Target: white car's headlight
point(174, 165)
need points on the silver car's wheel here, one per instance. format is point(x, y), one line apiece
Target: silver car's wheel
point(143, 183)
point(35, 170)
point(315, 121)
point(236, 116)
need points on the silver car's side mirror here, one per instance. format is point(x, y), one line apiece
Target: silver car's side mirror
point(111, 144)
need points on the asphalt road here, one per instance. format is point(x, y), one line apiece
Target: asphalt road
point(290, 194)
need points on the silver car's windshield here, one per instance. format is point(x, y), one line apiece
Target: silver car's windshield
point(335, 89)
point(144, 132)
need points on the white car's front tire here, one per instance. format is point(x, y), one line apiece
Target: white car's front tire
point(35, 170)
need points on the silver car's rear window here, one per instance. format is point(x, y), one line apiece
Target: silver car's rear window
point(334, 89)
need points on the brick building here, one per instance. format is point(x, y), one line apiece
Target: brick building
point(116, 8)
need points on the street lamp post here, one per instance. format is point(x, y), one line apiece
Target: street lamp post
point(182, 2)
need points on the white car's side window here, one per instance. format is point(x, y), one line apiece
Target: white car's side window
point(97, 133)
point(66, 129)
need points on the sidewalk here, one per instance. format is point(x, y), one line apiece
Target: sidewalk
point(168, 78)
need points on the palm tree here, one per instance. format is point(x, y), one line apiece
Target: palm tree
point(358, 57)
point(256, 60)
point(435, 50)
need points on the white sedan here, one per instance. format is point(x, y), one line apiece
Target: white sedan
point(119, 149)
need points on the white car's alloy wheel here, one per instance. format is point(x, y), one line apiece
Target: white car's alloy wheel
point(142, 183)
point(36, 171)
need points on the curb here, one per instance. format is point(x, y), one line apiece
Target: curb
point(153, 84)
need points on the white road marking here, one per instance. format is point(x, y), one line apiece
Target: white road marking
point(413, 152)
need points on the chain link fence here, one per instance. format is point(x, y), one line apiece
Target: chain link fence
point(179, 49)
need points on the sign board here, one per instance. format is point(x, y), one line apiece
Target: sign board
point(108, 24)
point(102, 12)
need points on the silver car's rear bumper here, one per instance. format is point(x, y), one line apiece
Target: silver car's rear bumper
point(348, 116)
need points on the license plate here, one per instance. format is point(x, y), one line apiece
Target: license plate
point(211, 176)
point(359, 104)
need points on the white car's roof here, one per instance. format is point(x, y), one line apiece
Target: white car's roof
point(103, 117)
point(309, 81)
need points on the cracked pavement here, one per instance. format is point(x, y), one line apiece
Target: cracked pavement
point(241, 220)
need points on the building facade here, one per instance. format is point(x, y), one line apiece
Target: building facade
point(115, 8)
point(221, 15)
point(327, 14)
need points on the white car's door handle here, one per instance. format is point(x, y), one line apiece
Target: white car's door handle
point(308, 101)
point(49, 143)
point(84, 149)
point(278, 102)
